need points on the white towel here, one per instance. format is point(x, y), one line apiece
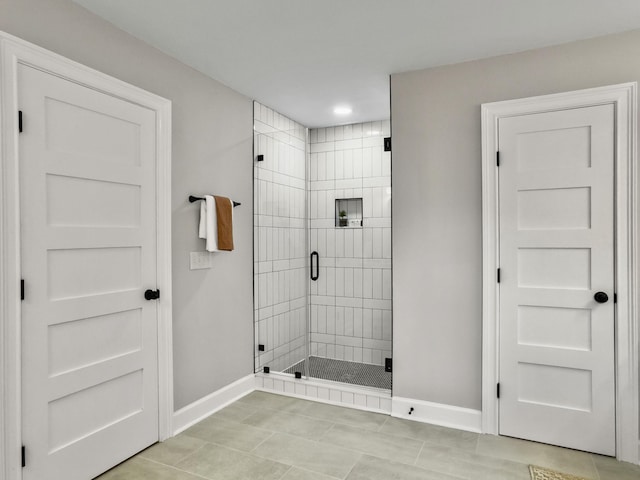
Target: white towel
point(208, 228)
point(202, 228)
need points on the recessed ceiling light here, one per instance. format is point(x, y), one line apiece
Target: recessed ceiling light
point(342, 110)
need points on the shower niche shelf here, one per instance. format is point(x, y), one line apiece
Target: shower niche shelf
point(348, 212)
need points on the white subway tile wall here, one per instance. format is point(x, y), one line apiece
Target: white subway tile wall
point(351, 301)
point(280, 241)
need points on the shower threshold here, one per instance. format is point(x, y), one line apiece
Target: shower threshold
point(363, 374)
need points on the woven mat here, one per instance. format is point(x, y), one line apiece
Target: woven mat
point(539, 473)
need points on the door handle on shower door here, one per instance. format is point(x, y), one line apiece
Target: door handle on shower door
point(315, 277)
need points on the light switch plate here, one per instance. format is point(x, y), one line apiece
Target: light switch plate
point(200, 260)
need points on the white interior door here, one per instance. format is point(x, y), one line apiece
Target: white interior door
point(556, 252)
point(88, 227)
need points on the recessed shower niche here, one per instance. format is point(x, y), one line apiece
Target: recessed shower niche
point(325, 191)
point(349, 212)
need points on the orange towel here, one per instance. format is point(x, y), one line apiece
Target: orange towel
point(224, 212)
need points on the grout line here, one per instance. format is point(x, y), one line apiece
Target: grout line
point(298, 467)
point(354, 465)
point(262, 442)
point(383, 423)
point(229, 447)
point(187, 455)
point(246, 418)
point(338, 422)
point(173, 467)
point(314, 403)
point(475, 449)
point(319, 440)
point(415, 462)
point(595, 467)
point(362, 452)
point(286, 471)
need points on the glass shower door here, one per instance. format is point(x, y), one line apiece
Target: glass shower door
point(280, 244)
point(350, 229)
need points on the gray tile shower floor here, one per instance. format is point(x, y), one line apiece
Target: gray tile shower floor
point(346, 372)
point(266, 436)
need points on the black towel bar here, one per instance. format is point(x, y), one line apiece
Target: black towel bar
point(195, 199)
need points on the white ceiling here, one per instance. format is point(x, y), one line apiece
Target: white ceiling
point(303, 57)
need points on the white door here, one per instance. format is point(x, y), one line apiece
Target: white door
point(556, 253)
point(88, 226)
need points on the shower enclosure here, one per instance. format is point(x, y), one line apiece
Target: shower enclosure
point(322, 250)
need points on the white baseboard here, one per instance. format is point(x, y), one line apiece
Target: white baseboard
point(361, 398)
point(437, 414)
point(333, 393)
point(201, 409)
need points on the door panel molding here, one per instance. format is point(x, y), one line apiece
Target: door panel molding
point(13, 52)
point(624, 98)
point(550, 260)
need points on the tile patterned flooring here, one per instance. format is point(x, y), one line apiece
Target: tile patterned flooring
point(267, 436)
point(343, 371)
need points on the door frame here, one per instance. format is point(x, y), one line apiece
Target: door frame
point(14, 52)
point(624, 99)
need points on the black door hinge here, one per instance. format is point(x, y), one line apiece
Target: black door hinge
point(24, 457)
point(498, 276)
point(388, 365)
point(498, 390)
point(22, 289)
point(497, 159)
point(615, 298)
point(19, 121)
point(387, 144)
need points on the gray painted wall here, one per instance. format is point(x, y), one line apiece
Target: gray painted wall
point(437, 220)
point(436, 207)
point(212, 153)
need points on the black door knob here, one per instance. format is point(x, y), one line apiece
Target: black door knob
point(152, 294)
point(601, 297)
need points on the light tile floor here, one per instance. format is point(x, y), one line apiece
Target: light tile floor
point(266, 436)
